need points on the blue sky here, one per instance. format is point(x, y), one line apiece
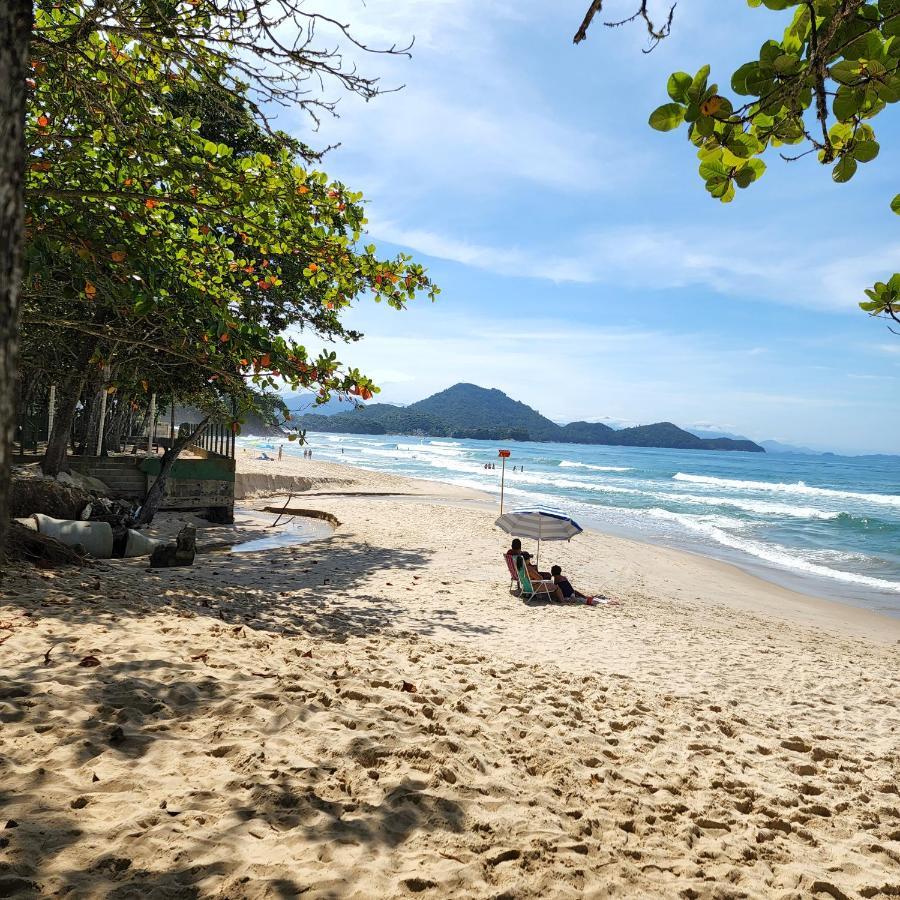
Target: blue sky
point(584, 269)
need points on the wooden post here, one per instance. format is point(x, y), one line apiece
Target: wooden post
point(151, 424)
point(51, 410)
point(103, 396)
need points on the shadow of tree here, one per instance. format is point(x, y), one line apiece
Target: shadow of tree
point(119, 710)
point(326, 588)
point(406, 808)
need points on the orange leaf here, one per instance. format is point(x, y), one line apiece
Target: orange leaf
point(224, 338)
point(90, 289)
point(711, 107)
point(118, 256)
point(303, 189)
point(151, 204)
point(313, 267)
point(43, 120)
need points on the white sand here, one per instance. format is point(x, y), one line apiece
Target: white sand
point(715, 736)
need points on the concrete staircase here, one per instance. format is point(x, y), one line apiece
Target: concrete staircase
point(119, 473)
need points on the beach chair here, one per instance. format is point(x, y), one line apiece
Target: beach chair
point(513, 576)
point(531, 589)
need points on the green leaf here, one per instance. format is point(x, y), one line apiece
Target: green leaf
point(698, 83)
point(757, 165)
point(667, 117)
point(865, 151)
point(787, 64)
point(740, 81)
point(742, 145)
point(744, 178)
point(895, 204)
point(713, 170)
point(844, 170)
point(845, 72)
point(678, 86)
point(846, 103)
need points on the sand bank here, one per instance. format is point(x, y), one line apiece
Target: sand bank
point(375, 716)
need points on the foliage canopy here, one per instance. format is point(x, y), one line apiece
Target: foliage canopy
point(815, 90)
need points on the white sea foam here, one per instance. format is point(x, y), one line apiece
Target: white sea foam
point(760, 507)
point(773, 553)
point(378, 451)
point(537, 478)
point(436, 448)
point(798, 487)
point(569, 464)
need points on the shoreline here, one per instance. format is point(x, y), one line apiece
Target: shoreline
point(833, 608)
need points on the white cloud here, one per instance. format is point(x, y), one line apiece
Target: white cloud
point(651, 257)
point(471, 115)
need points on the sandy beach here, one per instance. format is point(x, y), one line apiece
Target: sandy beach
point(373, 714)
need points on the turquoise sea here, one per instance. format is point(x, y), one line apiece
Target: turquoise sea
point(826, 525)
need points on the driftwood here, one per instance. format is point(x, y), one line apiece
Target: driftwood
point(24, 545)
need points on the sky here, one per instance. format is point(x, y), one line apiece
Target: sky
point(584, 269)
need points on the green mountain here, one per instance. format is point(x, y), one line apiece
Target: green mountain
point(469, 411)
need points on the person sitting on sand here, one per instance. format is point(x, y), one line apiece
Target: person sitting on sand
point(565, 585)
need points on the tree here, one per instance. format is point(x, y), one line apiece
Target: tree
point(818, 88)
point(178, 244)
point(15, 33)
point(90, 63)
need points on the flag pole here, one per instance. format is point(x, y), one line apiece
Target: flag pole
point(503, 454)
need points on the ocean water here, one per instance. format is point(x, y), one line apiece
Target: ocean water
point(826, 525)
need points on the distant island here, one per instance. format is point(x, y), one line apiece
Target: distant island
point(469, 411)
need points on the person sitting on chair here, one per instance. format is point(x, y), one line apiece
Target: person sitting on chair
point(531, 570)
point(516, 550)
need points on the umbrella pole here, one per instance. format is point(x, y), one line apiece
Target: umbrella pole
point(540, 528)
point(502, 481)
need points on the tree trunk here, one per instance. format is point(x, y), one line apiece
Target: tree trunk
point(118, 419)
point(56, 459)
point(88, 422)
point(158, 488)
point(15, 36)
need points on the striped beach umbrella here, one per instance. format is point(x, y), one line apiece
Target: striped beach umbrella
point(539, 523)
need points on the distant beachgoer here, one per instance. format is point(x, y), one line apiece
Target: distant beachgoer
point(280, 451)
